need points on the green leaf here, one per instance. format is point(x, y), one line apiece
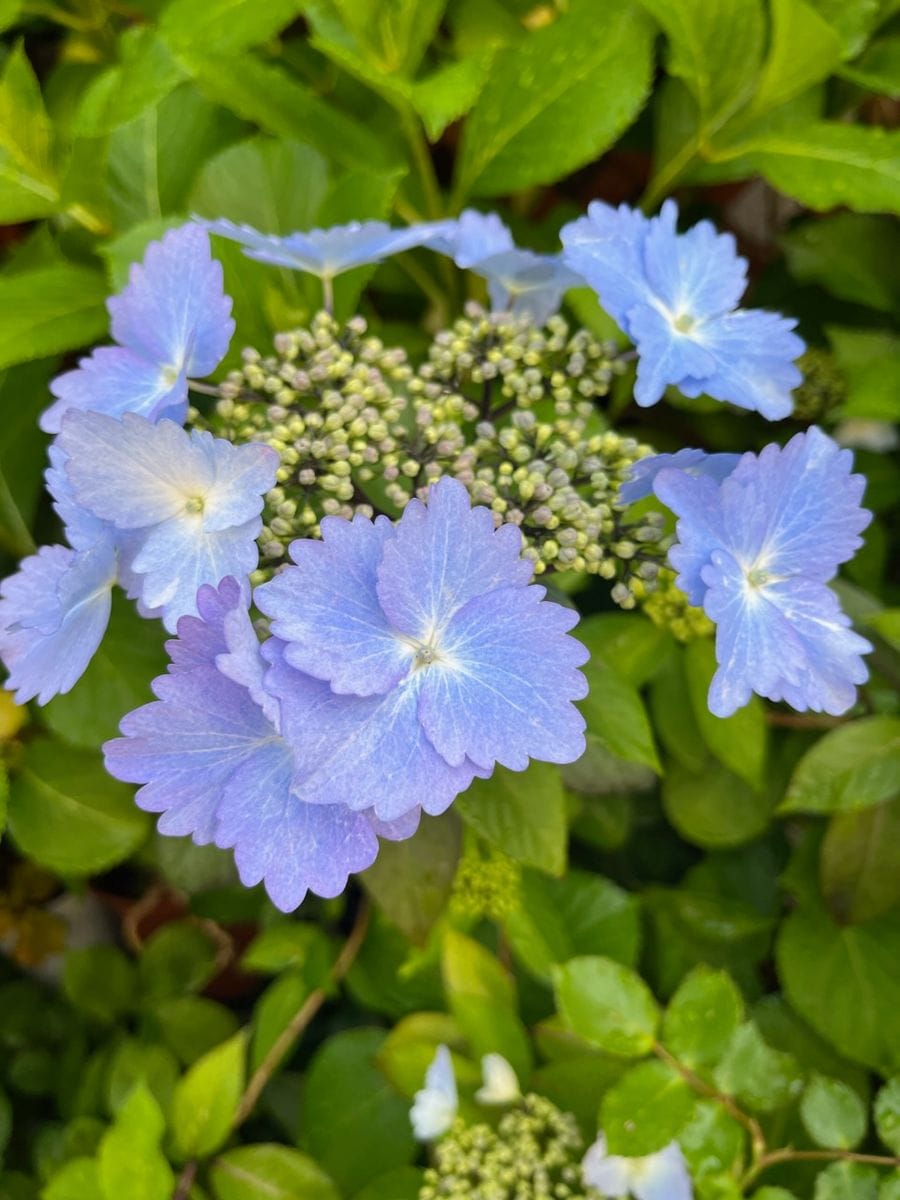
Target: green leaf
point(130, 1161)
point(274, 1010)
point(860, 862)
point(288, 944)
point(225, 26)
point(178, 958)
point(411, 880)
point(269, 1172)
point(557, 99)
point(349, 1103)
point(739, 742)
point(855, 966)
point(833, 1114)
point(578, 914)
point(702, 1017)
point(67, 814)
point(411, 1045)
point(48, 310)
point(393, 37)
point(712, 1141)
point(191, 1025)
point(28, 182)
point(629, 643)
point(116, 681)
point(878, 68)
point(847, 1181)
point(146, 74)
point(804, 49)
point(714, 808)
point(100, 981)
point(403, 1184)
point(206, 1099)
point(887, 1114)
point(715, 47)
point(607, 1004)
point(853, 22)
point(761, 1078)
point(826, 164)
point(870, 361)
point(136, 1062)
point(616, 716)
point(449, 92)
point(75, 1180)
point(645, 1110)
point(850, 255)
point(851, 767)
point(522, 813)
point(481, 995)
point(673, 715)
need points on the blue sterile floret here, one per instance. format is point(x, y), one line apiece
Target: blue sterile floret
point(172, 322)
point(676, 297)
point(757, 552)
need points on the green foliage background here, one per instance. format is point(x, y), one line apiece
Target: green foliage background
point(694, 932)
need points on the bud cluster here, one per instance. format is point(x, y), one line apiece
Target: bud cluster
point(486, 886)
point(534, 1154)
point(824, 385)
point(670, 608)
point(507, 407)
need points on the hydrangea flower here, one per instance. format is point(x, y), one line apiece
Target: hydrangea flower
point(189, 503)
point(643, 473)
point(171, 322)
point(676, 297)
point(435, 1105)
point(214, 764)
point(757, 552)
point(660, 1176)
point(519, 281)
point(440, 658)
point(500, 1084)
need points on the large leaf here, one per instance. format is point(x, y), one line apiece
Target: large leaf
point(66, 813)
point(850, 254)
point(739, 742)
point(146, 74)
point(714, 807)
point(523, 813)
point(28, 181)
point(851, 767)
point(557, 99)
point(804, 49)
point(615, 715)
point(269, 1172)
point(646, 1109)
point(607, 1004)
point(844, 981)
point(206, 1099)
point(225, 26)
point(860, 862)
point(878, 69)
point(48, 310)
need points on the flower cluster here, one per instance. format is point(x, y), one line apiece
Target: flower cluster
point(409, 650)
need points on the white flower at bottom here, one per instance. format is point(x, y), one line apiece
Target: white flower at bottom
point(434, 1106)
point(660, 1176)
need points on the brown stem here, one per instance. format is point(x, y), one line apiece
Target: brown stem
point(787, 1154)
point(757, 1138)
point(302, 1017)
point(185, 1181)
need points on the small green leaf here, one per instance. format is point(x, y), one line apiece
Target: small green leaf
point(522, 813)
point(48, 310)
point(28, 182)
point(887, 1114)
point(702, 1017)
point(847, 1181)
point(348, 1102)
point(75, 1180)
point(269, 1172)
point(629, 643)
point(616, 716)
point(274, 1010)
point(411, 880)
point(645, 1110)
point(557, 99)
point(136, 1062)
point(288, 944)
point(833, 1114)
point(206, 1099)
point(449, 92)
point(192, 1025)
point(739, 742)
point(761, 1078)
point(607, 1004)
point(581, 913)
point(714, 808)
point(851, 767)
point(178, 958)
point(100, 981)
point(130, 1160)
point(878, 68)
point(860, 862)
point(712, 1141)
point(67, 814)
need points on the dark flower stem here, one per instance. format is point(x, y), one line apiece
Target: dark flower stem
point(284, 1043)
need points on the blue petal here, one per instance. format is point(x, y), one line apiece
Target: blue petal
point(364, 752)
point(662, 1176)
point(174, 312)
point(471, 238)
point(115, 381)
point(606, 249)
point(666, 356)
point(526, 284)
point(327, 611)
point(53, 614)
point(696, 502)
point(642, 476)
point(83, 529)
point(503, 687)
point(442, 556)
point(698, 273)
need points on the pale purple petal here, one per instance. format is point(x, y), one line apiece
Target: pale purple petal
point(471, 238)
point(698, 272)
point(526, 284)
point(327, 611)
point(606, 248)
point(696, 502)
point(502, 688)
point(83, 529)
point(174, 312)
point(115, 381)
point(442, 556)
point(642, 476)
point(68, 594)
